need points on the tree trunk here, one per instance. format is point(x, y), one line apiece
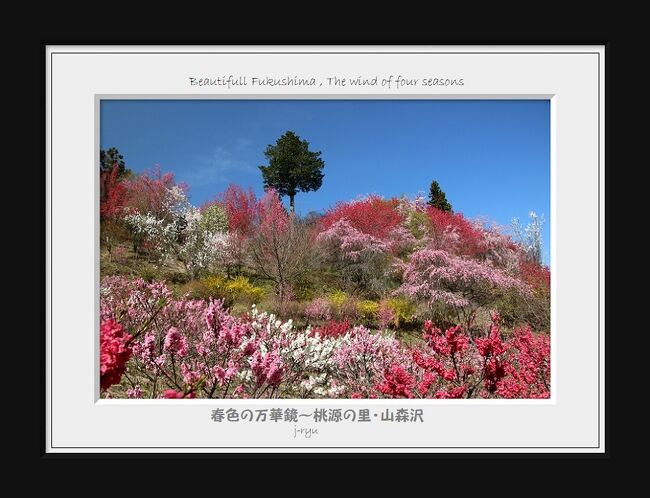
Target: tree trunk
point(281, 296)
point(291, 203)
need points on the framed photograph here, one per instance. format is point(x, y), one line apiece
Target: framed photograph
point(350, 249)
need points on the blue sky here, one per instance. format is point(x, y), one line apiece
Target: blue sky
point(491, 157)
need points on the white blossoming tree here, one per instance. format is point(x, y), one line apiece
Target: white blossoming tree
point(157, 233)
point(530, 237)
point(197, 238)
point(203, 241)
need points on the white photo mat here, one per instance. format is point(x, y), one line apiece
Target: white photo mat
point(572, 77)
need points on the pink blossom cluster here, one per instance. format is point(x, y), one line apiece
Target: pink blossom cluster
point(267, 368)
point(354, 244)
point(175, 343)
point(172, 394)
point(272, 216)
point(385, 315)
point(319, 309)
point(436, 275)
point(363, 358)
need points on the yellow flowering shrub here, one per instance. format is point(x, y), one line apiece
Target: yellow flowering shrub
point(403, 310)
point(241, 289)
point(368, 309)
point(337, 299)
point(238, 289)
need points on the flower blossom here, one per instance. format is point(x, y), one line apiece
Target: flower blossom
point(115, 351)
point(175, 343)
point(397, 383)
point(173, 394)
point(267, 368)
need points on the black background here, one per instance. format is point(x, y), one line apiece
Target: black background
point(25, 37)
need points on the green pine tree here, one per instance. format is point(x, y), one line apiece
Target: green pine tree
point(292, 167)
point(111, 157)
point(437, 197)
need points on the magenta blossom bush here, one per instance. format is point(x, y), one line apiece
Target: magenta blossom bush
point(115, 351)
point(456, 365)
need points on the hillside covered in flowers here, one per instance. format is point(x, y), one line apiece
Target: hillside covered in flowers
point(373, 298)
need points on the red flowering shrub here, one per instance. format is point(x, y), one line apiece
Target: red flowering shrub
point(113, 197)
point(241, 208)
point(455, 365)
point(332, 328)
point(534, 274)
point(149, 192)
point(454, 233)
point(492, 349)
point(172, 394)
point(529, 371)
point(454, 393)
point(113, 194)
point(115, 351)
point(372, 216)
point(397, 383)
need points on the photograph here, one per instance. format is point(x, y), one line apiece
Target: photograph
point(300, 248)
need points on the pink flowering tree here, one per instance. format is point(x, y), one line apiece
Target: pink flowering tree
point(497, 248)
point(241, 209)
point(436, 276)
point(319, 309)
point(361, 259)
point(281, 249)
point(363, 357)
point(149, 192)
point(362, 238)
